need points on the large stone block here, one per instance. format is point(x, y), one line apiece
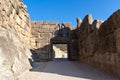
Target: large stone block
point(48, 35)
point(110, 43)
point(18, 20)
point(67, 24)
point(116, 19)
point(74, 49)
point(22, 14)
point(15, 56)
point(50, 23)
point(91, 43)
point(101, 45)
point(42, 40)
point(85, 28)
point(47, 30)
point(96, 25)
point(79, 22)
point(117, 38)
point(111, 24)
point(107, 27)
point(40, 45)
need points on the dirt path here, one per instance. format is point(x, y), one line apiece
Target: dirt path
point(64, 70)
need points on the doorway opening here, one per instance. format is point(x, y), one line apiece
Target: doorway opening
point(60, 51)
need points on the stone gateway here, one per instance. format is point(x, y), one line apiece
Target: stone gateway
point(23, 41)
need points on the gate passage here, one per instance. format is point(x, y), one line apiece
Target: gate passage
point(62, 36)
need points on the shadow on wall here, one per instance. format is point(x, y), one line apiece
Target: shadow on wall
point(42, 54)
point(46, 53)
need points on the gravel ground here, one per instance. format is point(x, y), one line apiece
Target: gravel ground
point(64, 70)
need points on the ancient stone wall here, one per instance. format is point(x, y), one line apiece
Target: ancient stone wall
point(45, 34)
point(73, 49)
point(13, 16)
point(14, 39)
point(42, 32)
point(99, 43)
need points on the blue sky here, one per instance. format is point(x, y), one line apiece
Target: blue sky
point(68, 10)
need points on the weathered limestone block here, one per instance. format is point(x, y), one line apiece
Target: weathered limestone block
point(111, 24)
point(67, 24)
point(46, 22)
point(96, 25)
point(42, 52)
point(91, 43)
point(79, 22)
point(107, 27)
point(35, 34)
point(40, 45)
point(18, 20)
point(36, 24)
point(32, 40)
point(101, 45)
point(7, 7)
point(50, 23)
point(116, 18)
point(11, 21)
point(117, 62)
point(48, 35)
point(74, 49)
point(110, 43)
point(35, 29)
point(26, 28)
point(5, 25)
point(47, 30)
point(42, 40)
point(14, 56)
point(113, 64)
point(117, 38)
point(45, 26)
point(53, 23)
point(22, 14)
point(73, 34)
point(85, 28)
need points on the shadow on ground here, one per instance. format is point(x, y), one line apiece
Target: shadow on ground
point(62, 66)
